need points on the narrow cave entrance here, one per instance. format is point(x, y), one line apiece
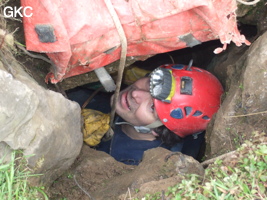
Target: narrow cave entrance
point(202, 56)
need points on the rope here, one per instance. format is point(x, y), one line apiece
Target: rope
point(248, 3)
point(87, 193)
point(54, 67)
point(123, 41)
point(249, 114)
point(91, 97)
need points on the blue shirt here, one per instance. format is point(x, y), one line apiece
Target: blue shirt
point(125, 149)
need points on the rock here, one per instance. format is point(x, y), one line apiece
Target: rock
point(253, 15)
point(42, 123)
point(160, 163)
point(92, 173)
point(101, 176)
point(161, 169)
point(244, 108)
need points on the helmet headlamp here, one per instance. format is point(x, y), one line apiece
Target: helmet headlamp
point(162, 84)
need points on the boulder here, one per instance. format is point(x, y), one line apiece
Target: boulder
point(244, 106)
point(40, 122)
point(100, 176)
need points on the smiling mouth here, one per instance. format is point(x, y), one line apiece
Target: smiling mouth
point(126, 101)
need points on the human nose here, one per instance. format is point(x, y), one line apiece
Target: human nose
point(140, 95)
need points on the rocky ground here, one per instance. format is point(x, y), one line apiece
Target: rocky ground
point(243, 73)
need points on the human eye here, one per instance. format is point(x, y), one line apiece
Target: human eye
point(144, 84)
point(152, 107)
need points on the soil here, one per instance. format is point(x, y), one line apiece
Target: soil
point(78, 177)
point(98, 175)
point(93, 170)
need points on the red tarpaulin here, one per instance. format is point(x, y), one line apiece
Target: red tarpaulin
point(80, 36)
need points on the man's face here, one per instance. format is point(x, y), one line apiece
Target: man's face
point(135, 104)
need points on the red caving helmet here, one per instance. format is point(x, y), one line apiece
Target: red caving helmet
point(185, 97)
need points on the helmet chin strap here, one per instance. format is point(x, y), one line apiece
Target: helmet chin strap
point(143, 129)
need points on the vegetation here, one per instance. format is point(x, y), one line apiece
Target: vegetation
point(13, 180)
point(242, 177)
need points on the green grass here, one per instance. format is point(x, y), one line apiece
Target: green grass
point(13, 181)
point(245, 177)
